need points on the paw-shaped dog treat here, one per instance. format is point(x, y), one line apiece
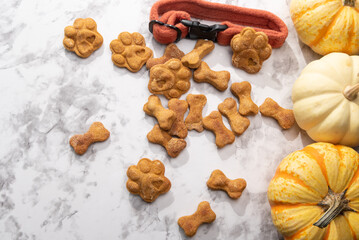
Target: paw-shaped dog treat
point(218, 79)
point(228, 108)
point(213, 122)
point(219, 181)
point(82, 38)
point(171, 51)
point(130, 51)
point(194, 118)
point(147, 179)
point(96, 133)
point(154, 108)
point(285, 117)
point(179, 107)
point(173, 146)
point(202, 48)
point(242, 91)
point(170, 79)
point(190, 224)
point(250, 50)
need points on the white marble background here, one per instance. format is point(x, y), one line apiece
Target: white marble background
point(48, 94)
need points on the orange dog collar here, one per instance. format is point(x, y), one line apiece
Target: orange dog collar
point(167, 25)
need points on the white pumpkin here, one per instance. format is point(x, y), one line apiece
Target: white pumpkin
point(326, 100)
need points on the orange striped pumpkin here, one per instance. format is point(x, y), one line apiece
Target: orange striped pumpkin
point(327, 25)
point(315, 193)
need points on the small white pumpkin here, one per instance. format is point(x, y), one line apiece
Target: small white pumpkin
point(326, 100)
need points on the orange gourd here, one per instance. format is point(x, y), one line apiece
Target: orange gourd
point(315, 193)
point(327, 25)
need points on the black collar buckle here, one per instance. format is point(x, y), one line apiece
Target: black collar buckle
point(179, 32)
point(199, 30)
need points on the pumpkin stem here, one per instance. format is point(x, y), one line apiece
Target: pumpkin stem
point(351, 92)
point(335, 203)
point(350, 3)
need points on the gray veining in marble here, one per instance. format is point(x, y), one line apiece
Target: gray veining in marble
point(48, 94)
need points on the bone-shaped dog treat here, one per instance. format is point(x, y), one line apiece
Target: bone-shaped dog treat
point(284, 117)
point(154, 108)
point(173, 146)
point(214, 123)
point(171, 51)
point(190, 224)
point(179, 107)
point(228, 108)
point(219, 181)
point(96, 133)
point(147, 179)
point(218, 79)
point(194, 117)
point(243, 92)
point(202, 48)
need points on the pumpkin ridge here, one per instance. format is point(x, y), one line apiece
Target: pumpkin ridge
point(340, 107)
point(333, 65)
point(355, 79)
point(350, 226)
point(327, 92)
point(319, 158)
point(323, 116)
point(329, 114)
point(354, 178)
point(279, 205)
point(286, 175)
point(294, 236)
point(304, 11)
point(327, 232)
point(331, 92)
point(351, 35)
point(325, 29)
point(347, 127)
point(286, 218)
point(356, 174)
point(327, 76)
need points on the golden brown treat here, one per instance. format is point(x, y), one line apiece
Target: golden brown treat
point(170, 79)
point(218, 79)
point(242, 91)
point(130, 51)
point(250, 50)
point(285, 117)
point(82, 38)
point(228, 108)
point(194, 118)
point(202, 48)
point(213, 122)
point(171, 51)
point(96, 133)
point(173, 146)
point(154, 108)
point(219, 181)
point(179, 107)
point(190, 224)
point(147, 179)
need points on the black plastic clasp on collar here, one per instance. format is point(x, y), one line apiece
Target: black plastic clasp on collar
point(199, 30)
point(179, 32)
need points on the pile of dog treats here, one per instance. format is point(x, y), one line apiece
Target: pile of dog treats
point(170, 76)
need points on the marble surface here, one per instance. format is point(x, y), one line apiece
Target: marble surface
point(48, 94)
